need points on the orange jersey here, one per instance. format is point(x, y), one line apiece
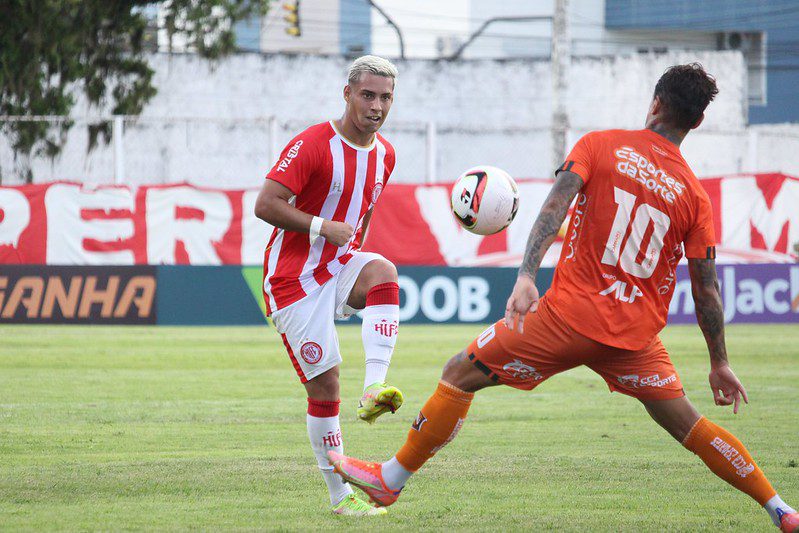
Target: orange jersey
point(640, 203)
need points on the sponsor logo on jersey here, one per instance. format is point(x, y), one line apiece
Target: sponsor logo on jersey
point(742, 466)
point(519, 370)
point(638, 168)
point(619, 291)
point(419, 422)
point(578, 217)
point(311, 352)
point(386, 328)
point(635, 381)
point(668, 280)
point(290, 155)
point(332, 440)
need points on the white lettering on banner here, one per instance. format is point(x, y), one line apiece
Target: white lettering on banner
point(16, 215)
point(747, 296)
point(682, 297)
point(450, 304)
point(411, 291)
point(457, 245)
point(473, 299)
point(67, 230)
point(468, 297)
point(255, 233)
point(165, 229)
point(743, 191)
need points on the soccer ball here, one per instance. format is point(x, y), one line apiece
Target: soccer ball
point(485, 200)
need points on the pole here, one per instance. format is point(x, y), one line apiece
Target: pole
point(430, 153)
point(273, 148)
point(560, 62)
point(119, 149)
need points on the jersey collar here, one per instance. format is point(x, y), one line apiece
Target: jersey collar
point(352, 144)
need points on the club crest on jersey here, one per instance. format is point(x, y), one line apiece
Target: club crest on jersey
point(419, 422)
point(376, 192)
point(311, 352)
point(519, 370)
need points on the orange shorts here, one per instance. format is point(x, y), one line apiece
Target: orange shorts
point(549, 346)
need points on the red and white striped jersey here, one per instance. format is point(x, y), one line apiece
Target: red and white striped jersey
point(331, 178)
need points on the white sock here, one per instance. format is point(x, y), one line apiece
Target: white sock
point(325, 435)
point(394, 474)
point(379, 334)
point(776, 508)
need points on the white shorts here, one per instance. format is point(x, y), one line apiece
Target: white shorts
point(307, 327)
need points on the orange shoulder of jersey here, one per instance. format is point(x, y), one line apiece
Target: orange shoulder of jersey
point(640, 202)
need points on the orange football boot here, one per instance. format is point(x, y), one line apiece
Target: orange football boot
point(366, 476)
point(789, 523)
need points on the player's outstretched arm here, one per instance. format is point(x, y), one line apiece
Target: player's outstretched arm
point(726, 387)
point(524, 298)
point(272, 206)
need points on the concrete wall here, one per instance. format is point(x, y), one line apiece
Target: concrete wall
point(209, 125)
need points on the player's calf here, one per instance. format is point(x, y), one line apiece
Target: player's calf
point(723, 454)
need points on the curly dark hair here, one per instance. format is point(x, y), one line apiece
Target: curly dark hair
point(684, 92)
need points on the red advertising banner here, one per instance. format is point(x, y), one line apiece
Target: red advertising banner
point(62, 223)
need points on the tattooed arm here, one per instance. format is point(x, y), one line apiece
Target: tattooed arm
point(524, 298)
point(727, 389)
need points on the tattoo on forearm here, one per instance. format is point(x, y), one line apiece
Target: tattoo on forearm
point(709, 309)
point(549, 220)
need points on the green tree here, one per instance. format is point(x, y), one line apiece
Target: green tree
point(51, 50)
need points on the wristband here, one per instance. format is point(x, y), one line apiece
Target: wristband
point(315, 229)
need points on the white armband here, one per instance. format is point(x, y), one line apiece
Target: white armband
point(316, 228)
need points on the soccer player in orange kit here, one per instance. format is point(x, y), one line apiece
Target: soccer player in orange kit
point(639, 208)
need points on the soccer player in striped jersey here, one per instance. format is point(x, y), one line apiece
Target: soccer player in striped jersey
point(639, 209)
point(320, 197)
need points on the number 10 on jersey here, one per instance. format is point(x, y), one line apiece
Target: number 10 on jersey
point(645, 214)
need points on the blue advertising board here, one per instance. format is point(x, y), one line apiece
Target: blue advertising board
point(232, 295)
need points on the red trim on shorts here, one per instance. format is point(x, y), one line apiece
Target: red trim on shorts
point(322, 409)
point(383, 294)
point(294, 362)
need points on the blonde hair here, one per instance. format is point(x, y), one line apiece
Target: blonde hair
point(371, 65)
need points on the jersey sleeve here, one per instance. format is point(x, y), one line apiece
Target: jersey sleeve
point(297, 163)
point(700, 242)
point(581, 159)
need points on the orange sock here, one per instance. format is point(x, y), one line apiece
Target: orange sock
point(727, 458)
point(437, 424)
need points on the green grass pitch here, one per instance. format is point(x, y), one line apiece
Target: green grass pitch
point(125, 428)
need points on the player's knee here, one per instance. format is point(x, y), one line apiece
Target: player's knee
point(383, 271)
point(459, 372)
point(324, 387)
